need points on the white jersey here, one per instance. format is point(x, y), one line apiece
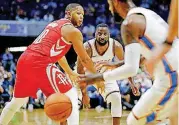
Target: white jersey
point(155, 34)
point(108, 56)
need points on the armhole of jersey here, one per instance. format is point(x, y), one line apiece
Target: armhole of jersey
point(90, 49)
point(138, 13)
point(113, 47)
point(67, 42)
point(66, 24)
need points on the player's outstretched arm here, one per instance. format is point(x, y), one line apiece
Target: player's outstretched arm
point(72, 34)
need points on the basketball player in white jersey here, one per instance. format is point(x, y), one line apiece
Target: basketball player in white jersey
point(141, 31)
point(103, 49)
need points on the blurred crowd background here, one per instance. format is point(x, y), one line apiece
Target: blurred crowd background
point(96, 11)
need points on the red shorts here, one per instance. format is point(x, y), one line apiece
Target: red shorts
point(36, 72)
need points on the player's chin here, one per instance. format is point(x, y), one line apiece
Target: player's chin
point(103, 42)
point(80, 23)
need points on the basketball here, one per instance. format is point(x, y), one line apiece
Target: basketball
point(58, 107)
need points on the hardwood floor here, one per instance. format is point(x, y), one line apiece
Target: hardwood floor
point(87, 117)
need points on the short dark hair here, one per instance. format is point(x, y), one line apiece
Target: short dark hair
point(71, 6)
point(102, 25)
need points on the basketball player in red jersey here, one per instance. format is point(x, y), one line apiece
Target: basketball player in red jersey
point(36, 69)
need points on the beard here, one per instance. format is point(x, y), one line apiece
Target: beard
point(102, 43)
point(74, 23)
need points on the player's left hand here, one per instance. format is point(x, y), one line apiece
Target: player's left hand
point(104, 66)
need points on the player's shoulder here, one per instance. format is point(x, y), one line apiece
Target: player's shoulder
point(88, 43)
point(134, 24)
point(139, 10)
point(133, 19)
point(53, 24)
point(90, 40)
point(70, 30)
point(59, 23)
point(117, 43)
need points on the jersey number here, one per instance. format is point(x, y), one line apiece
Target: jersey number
point(41, 36)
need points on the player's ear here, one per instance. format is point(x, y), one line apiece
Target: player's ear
point(109, 33)
point(96, 33)
point(68, 13)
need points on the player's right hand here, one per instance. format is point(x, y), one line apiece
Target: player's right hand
point(100, 86)
point(135, 89)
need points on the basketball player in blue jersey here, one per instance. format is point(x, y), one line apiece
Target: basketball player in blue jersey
point(141, 31)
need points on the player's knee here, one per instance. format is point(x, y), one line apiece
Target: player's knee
point(115, 98)
point(116, 108)
point(132, 120)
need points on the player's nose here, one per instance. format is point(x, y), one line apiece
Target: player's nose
point(81, 17)
point(102, 36)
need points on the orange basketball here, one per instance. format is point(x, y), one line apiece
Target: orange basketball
point(58, 107)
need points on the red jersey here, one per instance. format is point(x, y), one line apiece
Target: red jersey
point(50, 42)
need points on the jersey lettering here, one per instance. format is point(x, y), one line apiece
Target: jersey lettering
point(41, 36)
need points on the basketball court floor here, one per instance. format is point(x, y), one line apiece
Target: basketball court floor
point(87, 117)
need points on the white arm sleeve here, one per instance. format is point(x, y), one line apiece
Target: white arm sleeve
point(131, 66)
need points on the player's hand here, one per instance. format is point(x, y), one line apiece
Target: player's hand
point(100, 86)
point(104, 66)
point(135, 89)
point(91, 79)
